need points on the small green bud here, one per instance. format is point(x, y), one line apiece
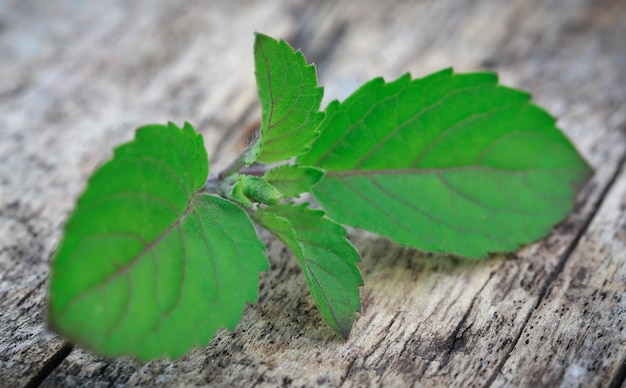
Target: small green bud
point(250, 189)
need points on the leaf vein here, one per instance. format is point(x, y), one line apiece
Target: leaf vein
point(375, 205)
point(425, 213)
point(455, 126)
point(418, 114)
point(124, 269)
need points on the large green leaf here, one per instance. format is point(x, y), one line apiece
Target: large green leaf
point(327, 258)
point(149, 266)
point(290, 100)
point(447, 163)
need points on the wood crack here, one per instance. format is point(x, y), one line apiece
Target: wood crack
point(560, 266)
point(372, 350)
point(619, 380)
point(50, 365)
point(454, 339)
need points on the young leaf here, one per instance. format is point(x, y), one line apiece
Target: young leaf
point(148, 265)
point(256, 189)
point(327, 258)
point(293, 180)
point(290, 100)
point(447, 163)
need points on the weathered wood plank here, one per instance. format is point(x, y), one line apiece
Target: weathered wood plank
point(75, 81)
point(434, 320)
point(577, 335)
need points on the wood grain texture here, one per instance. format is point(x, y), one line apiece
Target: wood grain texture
point(77, 78)
point(579, 329)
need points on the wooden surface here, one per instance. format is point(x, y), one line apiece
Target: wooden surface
point(76, 78)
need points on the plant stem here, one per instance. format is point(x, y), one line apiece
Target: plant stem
point(219, 183)
point(237, 164)
point(257, 170)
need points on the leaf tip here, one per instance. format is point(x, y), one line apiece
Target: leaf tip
point(345, 327)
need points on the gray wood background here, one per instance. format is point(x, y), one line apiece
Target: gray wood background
point(77, 77)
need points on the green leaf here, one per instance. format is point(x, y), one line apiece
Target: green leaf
point(290, 100)
point(149, 266)
point(327, 258)
point(293, 180)
point(447, 163)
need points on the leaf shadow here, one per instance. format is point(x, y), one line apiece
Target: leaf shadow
point(285, 316)
point(380, 254)
point(285, 311)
